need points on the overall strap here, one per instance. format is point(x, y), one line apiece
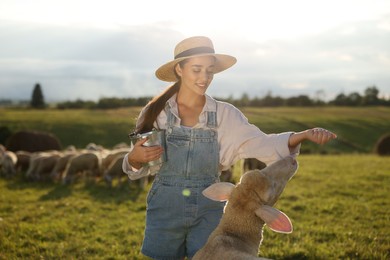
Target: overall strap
point(212, 117)
point(171, 119)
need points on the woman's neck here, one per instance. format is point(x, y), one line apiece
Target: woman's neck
point(190, 106)
point(190, 99)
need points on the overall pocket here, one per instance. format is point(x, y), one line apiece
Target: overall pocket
point(152, 192)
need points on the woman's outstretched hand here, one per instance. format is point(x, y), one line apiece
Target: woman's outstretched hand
point(320, 135)
point(316, 135)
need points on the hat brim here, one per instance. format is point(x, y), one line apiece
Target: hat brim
point(222, 62)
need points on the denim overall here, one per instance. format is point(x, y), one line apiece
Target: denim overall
point(179, 218)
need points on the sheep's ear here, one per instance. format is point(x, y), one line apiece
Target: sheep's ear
point(275, 219)
point(219, 191)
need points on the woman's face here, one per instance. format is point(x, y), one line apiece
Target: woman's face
point(196, 73)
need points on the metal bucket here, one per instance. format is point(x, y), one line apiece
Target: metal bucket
point(155, 137)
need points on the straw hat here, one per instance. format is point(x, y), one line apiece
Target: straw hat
point(194, 47)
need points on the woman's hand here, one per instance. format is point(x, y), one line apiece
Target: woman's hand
point(320, 135)
point(143, 154)
point(316, 135)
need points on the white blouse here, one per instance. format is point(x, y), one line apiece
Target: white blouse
point(237, 138)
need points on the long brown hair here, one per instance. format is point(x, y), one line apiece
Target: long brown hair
point(155, 106)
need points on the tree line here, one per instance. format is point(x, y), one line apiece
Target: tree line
point(370, 97)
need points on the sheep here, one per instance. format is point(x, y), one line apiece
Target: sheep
point(114, 170)
point(245, 165)
point(121, 146)
point(58, 170)
point(8, 160)
point(94, 147)
point(33, 164)
point(33, 141)
point(23, 161)
point(42, 164)
point(249, 207)
point(86, 162)
point(111, 156)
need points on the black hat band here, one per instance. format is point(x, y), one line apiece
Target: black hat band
point(195, 51)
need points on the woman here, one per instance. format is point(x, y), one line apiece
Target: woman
point(203, 136)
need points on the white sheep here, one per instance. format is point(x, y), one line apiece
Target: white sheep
point(88, 163)
point(111, 156)
point(8, 160)
point(58, 170)
point(42, 164)
point(114, 170)
point(249, 207)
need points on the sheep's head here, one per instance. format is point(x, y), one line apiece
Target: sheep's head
point(258, 190)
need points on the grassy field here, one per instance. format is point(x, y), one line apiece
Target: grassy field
point(338, 202)
point(339, 206)
point(358, 129)
point(104, 127)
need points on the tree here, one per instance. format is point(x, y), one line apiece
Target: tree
point(354, 99)
point(301, 100)
point(371, 96)
point(37, 99)
point(244, 101)
point(340, 100)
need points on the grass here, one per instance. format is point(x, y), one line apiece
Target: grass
point(358, 128)
point(338, 202)
point(339, 206)
point(103, 127)
point(51, 221)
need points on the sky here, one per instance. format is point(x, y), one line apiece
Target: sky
point(92, 49)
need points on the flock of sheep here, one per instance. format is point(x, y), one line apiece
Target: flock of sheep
point(91, 163)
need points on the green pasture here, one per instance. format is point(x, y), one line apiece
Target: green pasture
point(75, 127)
point(338, 201)
point(358, 128)
point(339, 206)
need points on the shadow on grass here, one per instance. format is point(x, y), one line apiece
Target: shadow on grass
point(21, 183)
point(117, 194)
point(58, 192)
point(296, 256)
point(99, 190)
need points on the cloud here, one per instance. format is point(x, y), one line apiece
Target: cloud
point(340, 59)
point(90, 63)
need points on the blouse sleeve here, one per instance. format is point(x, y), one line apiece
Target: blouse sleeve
point(135, 174)
point(132, 172)
point(239, 139)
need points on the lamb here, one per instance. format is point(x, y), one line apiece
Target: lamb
point(240, 231)
point(111, 156)
point(87, 162)
point(58, 170)
point(114, 170)
point(41, 165)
